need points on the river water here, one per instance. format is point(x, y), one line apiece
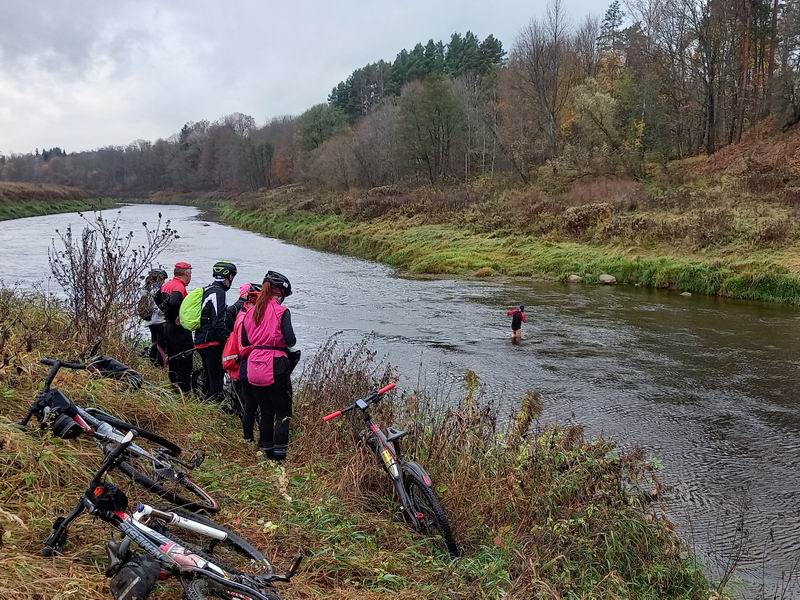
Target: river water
point(710, 387)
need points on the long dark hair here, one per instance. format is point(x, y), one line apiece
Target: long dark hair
point(267, 293)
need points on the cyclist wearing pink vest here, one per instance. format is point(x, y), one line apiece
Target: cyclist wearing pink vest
point(267, 335)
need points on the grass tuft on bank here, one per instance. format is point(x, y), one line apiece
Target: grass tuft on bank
point(409, 243)
point(542, 511)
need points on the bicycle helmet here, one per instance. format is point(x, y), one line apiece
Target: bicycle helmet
point(253, 291)
point(224, 269)
point(157, 274)
point(249, 288)
point(278, 281)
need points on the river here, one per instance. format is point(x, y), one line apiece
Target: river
point(708, 386)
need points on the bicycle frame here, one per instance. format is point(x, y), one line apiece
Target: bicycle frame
point(388, 452)
point(177, 559)
point(100, 431)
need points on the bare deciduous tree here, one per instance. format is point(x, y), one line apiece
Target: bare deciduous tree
point(100, 269)
point(547, 68)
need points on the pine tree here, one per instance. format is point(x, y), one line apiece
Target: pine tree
point(491, 54)
point(454, 55)
point(610, 38)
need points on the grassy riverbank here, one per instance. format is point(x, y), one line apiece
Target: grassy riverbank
point(541, 511)
point(18, 200)
point(698, 238)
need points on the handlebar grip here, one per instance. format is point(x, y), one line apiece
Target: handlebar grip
point(387, 388)
point(332, 416)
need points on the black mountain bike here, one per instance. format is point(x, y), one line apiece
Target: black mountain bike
point(208, 559)
point(412, 484)
point(152, 463)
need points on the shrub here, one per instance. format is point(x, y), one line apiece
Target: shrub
point(711, 227)
point(578, 219)
point(623, 194)
point(774, 231)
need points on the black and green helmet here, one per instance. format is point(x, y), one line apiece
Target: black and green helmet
point(224, 269)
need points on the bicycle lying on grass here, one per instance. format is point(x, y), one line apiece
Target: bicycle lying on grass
point(412, 484)
point(211, 562)
point(153, 463)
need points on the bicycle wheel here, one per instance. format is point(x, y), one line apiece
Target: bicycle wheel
point(428, 510)
point(201, 589)
point(166, 478)
point(124, 426)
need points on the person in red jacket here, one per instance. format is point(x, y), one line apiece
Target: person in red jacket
point(178, 341)
point(267, 335)
point(517, 319)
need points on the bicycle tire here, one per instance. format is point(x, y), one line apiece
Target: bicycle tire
point(124, 426)
point(200, 589)
point(433, 509)
point(203, 502)
point(194, 589)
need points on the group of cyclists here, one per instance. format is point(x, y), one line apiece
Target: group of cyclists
point(251, 340)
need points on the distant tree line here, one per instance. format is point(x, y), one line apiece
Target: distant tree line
point(652, 80)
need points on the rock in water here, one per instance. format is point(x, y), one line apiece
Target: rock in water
point(686, 294)
point(575, 279)
point(607, 279)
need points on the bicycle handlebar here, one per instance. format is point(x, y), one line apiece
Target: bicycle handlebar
point(55, 362)
point(96, 347)
point(369, 399)
point(387, 388)
point(332, 416)
point(23, 422)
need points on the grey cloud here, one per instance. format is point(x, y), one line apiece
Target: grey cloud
point(85, 73)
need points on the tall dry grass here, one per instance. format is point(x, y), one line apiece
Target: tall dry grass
point(541, 511)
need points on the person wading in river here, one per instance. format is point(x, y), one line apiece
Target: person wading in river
point(266, 337)
point(178, 340)
point(517, 319)
point(216, 323)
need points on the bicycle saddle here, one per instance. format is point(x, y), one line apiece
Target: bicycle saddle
point(395, 434)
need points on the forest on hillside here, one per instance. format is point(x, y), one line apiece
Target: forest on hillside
point(648, 81)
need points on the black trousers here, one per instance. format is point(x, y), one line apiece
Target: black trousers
point(274, 403)
point(178, 341)
point(157, 344)
point(212, 363)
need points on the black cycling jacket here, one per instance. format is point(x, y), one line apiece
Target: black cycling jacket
point(216, 317)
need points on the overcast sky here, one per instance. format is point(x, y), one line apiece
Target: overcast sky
point(86, 73)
